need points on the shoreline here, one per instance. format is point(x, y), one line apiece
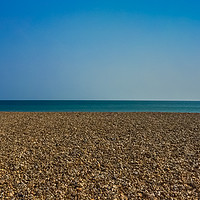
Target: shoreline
point(99, 155)
point(100, 112)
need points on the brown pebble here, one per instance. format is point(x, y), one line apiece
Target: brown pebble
point(99, 155)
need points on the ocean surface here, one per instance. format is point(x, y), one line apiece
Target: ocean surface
point(99, 106)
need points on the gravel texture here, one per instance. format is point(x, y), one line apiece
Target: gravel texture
point(115, 156)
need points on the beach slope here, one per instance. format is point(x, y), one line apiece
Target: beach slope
point(99, 155)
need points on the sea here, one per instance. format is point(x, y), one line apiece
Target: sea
point(99, 106)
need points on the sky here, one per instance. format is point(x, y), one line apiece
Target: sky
point(100, 49)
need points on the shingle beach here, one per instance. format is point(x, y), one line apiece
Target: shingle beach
point(91, 156)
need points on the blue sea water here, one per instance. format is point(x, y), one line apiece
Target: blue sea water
point(99, 106)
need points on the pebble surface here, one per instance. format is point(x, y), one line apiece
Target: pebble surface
point(115, 156)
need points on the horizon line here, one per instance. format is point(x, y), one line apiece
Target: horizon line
point(99, 99)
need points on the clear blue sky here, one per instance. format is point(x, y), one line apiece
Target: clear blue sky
point(106, 49)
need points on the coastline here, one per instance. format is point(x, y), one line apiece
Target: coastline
point(99, 106)
point(99, 155)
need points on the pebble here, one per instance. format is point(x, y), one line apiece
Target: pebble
point(99, 155)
